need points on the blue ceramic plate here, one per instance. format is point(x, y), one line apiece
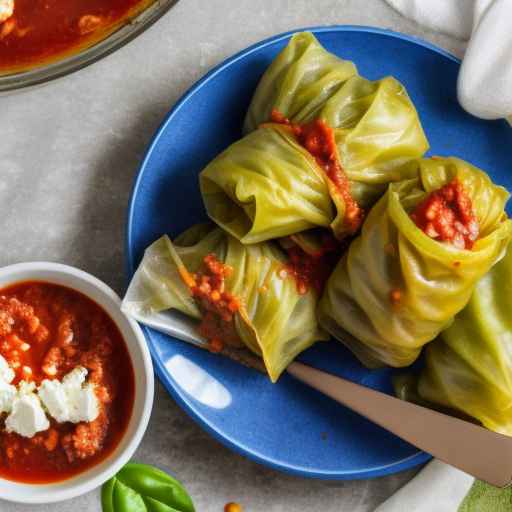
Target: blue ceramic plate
point(288, 426)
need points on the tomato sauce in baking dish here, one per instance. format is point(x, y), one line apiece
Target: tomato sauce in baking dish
point(66, 383)
point(34, 32)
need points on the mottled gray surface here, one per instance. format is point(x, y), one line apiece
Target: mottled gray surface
point(68, 155)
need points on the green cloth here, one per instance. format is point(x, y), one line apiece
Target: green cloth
point(483, 497)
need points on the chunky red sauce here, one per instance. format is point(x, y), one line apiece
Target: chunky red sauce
point(217, 305)
point(312, 269)
point(42, 30)
point(46, 331)
point(318, 138)
point(447, 215)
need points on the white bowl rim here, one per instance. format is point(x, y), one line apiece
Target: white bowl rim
point(50, 493)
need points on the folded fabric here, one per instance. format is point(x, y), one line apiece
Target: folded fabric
point(438, 487)
point(483, 497)
point(442, 488)
point(485, 78)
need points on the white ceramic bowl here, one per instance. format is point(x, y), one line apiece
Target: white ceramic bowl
point(144, 383)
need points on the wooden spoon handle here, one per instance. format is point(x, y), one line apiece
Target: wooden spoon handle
point(484, 454)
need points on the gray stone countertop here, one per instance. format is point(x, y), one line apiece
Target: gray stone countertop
point(68, 155)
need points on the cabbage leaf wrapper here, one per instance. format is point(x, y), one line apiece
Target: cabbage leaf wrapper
point(300, 80)
point(377, 129)
point(274, 321)
point(468, 368)
point(268, 186)
point(396, 289)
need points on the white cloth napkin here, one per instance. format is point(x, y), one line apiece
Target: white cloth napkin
point(485, 80)
point(436, 488)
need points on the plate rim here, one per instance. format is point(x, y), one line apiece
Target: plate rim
point(181, 397)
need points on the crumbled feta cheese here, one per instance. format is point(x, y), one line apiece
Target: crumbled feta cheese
point(27, 416)
point(25, 388)
point(6, 372)
point(70, 400)
point(85, 407)
point(7, 392)
point(75, 378)
point(6, 9)
point(53, 396)
point(7, 395)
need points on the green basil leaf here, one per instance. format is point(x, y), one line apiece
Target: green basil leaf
point(125, 499)
point(142, 488)
point(157, 506)
point(107, 492)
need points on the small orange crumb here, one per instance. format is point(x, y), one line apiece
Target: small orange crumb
point(26, 372)
point(233, 305)
point(10, 452)
point(7, 27)
point(215, 345)
point(389, 249)
point(187, 277)
point(456, 263)
point(50, 370)
point(52, 440)
point(232, 507)
point(89, 23)
point(302, 288)
point(395, 296)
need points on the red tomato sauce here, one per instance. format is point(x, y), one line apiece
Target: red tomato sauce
point(46, 331)
point(318, 138)
point(217, 305)
point(42, 30)
point(312, 269)
point(447, 215)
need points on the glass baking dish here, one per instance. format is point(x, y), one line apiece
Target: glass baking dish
point(130, 28)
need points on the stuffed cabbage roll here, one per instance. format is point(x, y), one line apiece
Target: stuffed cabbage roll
point(298, 82)
point(242, 296)
point(274, 182)
point(422, 249)
point(468, 368)
point(376, 127)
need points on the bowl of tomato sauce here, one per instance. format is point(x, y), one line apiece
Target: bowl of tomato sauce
point(41, 40)
point(76, 383)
